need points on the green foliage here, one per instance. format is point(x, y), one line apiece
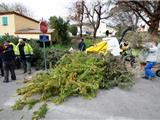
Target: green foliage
point(88, 42)
point(52, 56)
point(136, 39)
point(8, 38)
point(54, 53)
point(40, 113)
point(31, 103)
point(73, 29)
point(116, 74)
point(75, 74)
point(119, 29)
point(60, 30)
point(19, 105)
point(60, 47)
point(38, 53)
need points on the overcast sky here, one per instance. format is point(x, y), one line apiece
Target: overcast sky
point(45, 8)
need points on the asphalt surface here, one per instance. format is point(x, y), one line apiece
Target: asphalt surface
point(142, 102)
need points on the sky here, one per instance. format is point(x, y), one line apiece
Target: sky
point(46, 8)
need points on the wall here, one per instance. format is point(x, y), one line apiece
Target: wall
point(33, 36)
point(23, 23)
point(10, 28)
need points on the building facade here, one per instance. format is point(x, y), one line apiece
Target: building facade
point(21, 26)
point(87, 29)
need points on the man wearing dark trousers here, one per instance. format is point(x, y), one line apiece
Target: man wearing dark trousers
point(24, 51)
point(82, 45)
point(8, 60)
point(1, 65)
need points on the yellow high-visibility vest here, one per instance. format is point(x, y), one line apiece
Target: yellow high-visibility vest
point(27, 49)
point(14, 46)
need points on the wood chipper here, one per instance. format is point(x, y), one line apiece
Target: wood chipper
point(107, 44)
point(111, 44)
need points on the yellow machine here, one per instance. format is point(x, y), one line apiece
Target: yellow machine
point(100, 48)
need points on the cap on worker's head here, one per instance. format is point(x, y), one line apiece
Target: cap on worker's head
point(20, 40)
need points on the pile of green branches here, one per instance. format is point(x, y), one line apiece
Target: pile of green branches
point(76, 74)
point(116, 74)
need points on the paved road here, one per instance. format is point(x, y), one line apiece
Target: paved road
point(142, 102)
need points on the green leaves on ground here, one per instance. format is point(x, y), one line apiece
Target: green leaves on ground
point(40, 113)
point(116, 74)
point(20, 103)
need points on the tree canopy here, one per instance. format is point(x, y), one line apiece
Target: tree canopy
point(148, 11)
point(18, 7)
point(60, 27)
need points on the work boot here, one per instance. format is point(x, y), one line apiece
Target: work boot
point(13, 78)
point(152, 78)
point(144, 77)
point(4, 81)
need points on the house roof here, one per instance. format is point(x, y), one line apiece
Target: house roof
point(13, 12)
point(32, 31)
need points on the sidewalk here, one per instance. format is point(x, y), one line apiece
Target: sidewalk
point(142, 102)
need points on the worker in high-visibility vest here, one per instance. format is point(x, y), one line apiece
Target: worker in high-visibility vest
point(124, 47)
point(124, 51)
point(25, 52)
point(12, 45)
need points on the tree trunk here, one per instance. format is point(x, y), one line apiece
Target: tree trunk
point(96, 28)
point(94, 33)
point(80, 27)
point(153, 29)
point(81, 17)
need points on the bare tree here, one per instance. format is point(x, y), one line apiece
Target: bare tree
point(22, 9)
point(77, 13)
point(18, 7)
point(4, 7)
point(124, 16)
point(148, 11)
point(97, 12)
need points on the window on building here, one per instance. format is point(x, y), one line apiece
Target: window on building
point(4, 21)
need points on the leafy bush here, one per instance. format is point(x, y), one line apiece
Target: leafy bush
point(136, 39)
point(61, 47)
point(88, 42)
point(53, 54)
point(8, 38)
point(73, 29)
point(60, 30)
point(88, 37)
